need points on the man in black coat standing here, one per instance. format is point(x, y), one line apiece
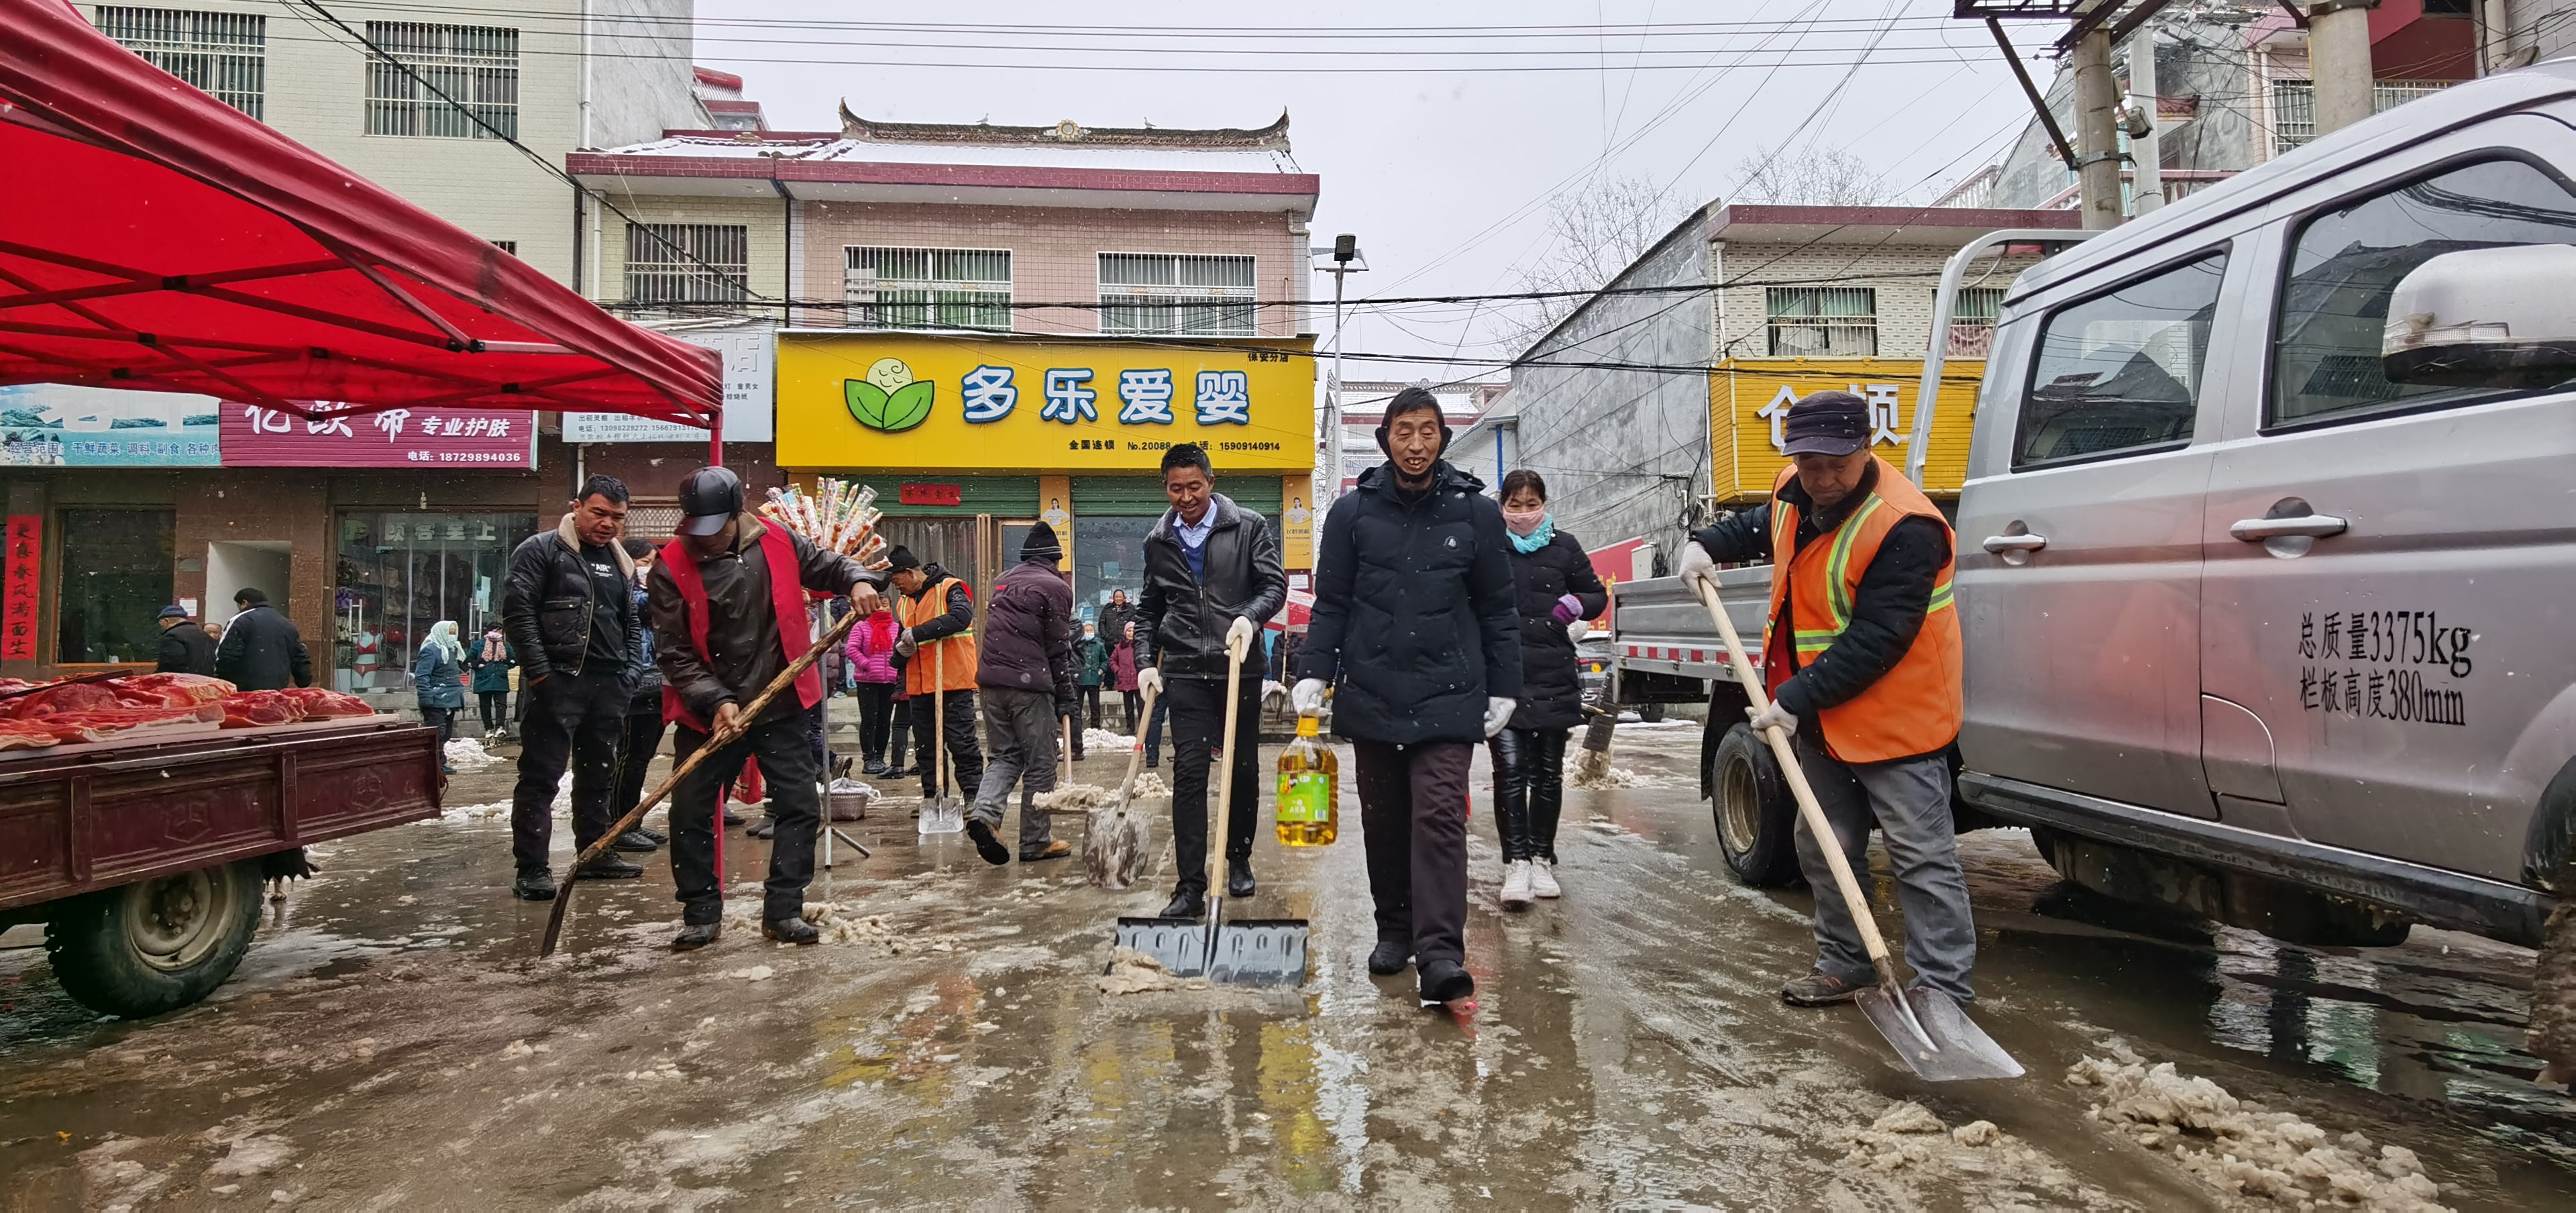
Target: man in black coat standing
point(1414, 623)
point(185, 647)
point(1212, 574)
point(262, 650)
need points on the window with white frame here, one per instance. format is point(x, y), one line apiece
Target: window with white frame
point(1822, 321)
point(2294, 106)
point(1972, 320)
point(225, 54)
point(928, 288)
point(688, 263)
point(1154, 293)
point(443, 81)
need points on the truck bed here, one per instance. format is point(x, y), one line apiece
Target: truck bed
point(1659, 627)
point(76, 818)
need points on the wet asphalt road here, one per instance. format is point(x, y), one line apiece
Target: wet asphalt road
point(393, 1042)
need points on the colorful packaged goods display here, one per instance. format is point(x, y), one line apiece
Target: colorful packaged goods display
point(36, 715)
point(836, 516)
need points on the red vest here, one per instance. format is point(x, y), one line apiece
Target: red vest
point(784, 593)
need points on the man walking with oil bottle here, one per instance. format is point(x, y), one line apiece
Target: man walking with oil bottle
point(1212, 574)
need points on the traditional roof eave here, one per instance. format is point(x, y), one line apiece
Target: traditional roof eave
point(1067, 133)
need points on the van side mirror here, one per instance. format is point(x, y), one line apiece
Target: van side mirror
point(2485, 318)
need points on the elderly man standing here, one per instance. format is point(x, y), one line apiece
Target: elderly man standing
point(1024, 672)
point(1861, 658)
point(728, 602)
point(1416, 622)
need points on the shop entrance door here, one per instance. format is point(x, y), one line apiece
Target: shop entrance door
point(247, 564)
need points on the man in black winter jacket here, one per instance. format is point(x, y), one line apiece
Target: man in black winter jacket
point(1024, 673)
point(1212, 572)
point(1414, 623)
point(262, 650)
point(570, 614)
point(185, 647)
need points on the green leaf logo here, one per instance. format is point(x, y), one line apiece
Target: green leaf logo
point(889, 400)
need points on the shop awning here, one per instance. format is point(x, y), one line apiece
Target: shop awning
point(154, 237)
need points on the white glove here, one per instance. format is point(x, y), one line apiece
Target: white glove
point(1774, 717)
point(1498, 712)
point(906, 645)
point(1307, 696)
point(1149, 681)
point(1578, 629)
point(1270, 687)
point(1697, 567)
point(1242, 631)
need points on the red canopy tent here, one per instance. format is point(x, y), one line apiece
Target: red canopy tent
point(154, 237)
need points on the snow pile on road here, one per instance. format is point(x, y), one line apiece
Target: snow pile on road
point(1149, 784)
point(1908, 1137)
point(1106, 741)
point(1593, 773)
point(754, 973)
point(1134, 972)
point(497, 810)
point(1075, 798)
point(467, 755)
point(839, 926)
point(2240, 1148)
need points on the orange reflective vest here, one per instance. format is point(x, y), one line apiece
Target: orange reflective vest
point(1915, 707)
point(951, 659)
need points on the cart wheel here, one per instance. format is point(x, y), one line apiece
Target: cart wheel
point(1754, 812)
point(155, 945)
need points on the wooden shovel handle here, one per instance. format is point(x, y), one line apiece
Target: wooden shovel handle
point(1796, 775)
point(1136, 752)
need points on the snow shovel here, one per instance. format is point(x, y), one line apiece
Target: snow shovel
point(714, 742)
point(941, 814)
point(1252, 952)
point(1930, 1032)
point(1114, 840)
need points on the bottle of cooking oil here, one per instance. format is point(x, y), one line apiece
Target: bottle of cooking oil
point(1310, 789)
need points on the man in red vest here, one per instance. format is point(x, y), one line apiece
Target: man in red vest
point(728, 601)
point(1861, 658)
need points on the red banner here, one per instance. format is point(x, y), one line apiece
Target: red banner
point(255, 437)
point(18, 575)
point(928, 494)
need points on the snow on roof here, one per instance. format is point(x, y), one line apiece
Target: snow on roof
point(824, 149)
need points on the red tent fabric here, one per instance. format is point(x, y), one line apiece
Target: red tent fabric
point(154, 237)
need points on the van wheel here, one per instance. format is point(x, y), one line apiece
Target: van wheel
point(1753, 810)
point(155, 945)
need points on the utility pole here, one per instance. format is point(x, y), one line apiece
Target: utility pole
point(2097, 146)
point(2339, 61)
point(1345, 251)
point(2147, 187)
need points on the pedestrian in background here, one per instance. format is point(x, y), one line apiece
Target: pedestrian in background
point(642, 737)
point(1024, 678)
point(1415, 626)
point(1212, 578)
point(490, 661)
point(438, 684)
point(1556, 590)
point(1091, 655)
point(870, 653)
point(569, 615)
point(1122, 673)
point(937, 651)
point(262, 650)
point(1114, 619)
point(1086, 700)
point(185, 647)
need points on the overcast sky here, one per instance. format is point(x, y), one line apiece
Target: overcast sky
point(1446, 175)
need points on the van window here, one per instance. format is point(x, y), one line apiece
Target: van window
point(2119, 373)
point(2346, 262)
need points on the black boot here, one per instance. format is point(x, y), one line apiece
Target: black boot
point(790, 930)
point(636, 842)
point(1188, 903)
point(1390, 956)
point(763, 828)
point(696, 935)
point(1238, 876)
point(657, 837)
point(535, 884)
point(987, 844)
point(1446, 981)
point(609, 867)
point(1513, 751)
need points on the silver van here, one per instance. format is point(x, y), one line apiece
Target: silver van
point(2269, 588)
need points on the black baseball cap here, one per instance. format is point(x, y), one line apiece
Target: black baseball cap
point(709, 498)
point(1827, 423)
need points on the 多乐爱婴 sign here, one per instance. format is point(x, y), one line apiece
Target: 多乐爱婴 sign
point(1078, 404)
point(422, 438)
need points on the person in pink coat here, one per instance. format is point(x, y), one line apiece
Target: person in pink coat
point(1122, 669)
point(870, 649)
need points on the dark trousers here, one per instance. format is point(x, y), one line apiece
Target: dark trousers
point(1198, 726)
point(1128, 702)
point(965, 758)
point(899, 734)
point(783, 744)
point(876, 717)
point(1154, 727)
point(444, 720)
point(1529, 791)
point(496, 709)
point(1091, 705)
point(644, 726)
point(1413, 816)
point(575, 719)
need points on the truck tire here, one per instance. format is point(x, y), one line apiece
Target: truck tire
point(1753, 811)
point(155, 945)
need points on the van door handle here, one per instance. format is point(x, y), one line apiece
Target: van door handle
point(2314, 526)
point(2000, 544)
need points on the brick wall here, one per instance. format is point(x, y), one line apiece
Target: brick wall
point(1905, 277)
point(1055, 250)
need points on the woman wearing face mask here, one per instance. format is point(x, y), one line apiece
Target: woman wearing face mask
point(1555, 590)
point(438, 681)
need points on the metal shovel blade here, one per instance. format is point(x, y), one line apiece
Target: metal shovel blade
point(942, 815)
point(1936, 1039)
point(1177, 944)
point(1252, 952)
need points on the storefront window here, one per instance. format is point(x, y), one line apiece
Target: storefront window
point(115, 580)
point(401, 573)
point(1108, 554)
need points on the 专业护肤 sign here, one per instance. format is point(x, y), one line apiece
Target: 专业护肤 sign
point(423, 438)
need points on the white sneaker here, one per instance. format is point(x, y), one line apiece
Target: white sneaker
point(1516, 884)
point(1542, 880)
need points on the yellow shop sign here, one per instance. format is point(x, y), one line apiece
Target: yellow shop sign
point(1748, 398)
point(1041, 404)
